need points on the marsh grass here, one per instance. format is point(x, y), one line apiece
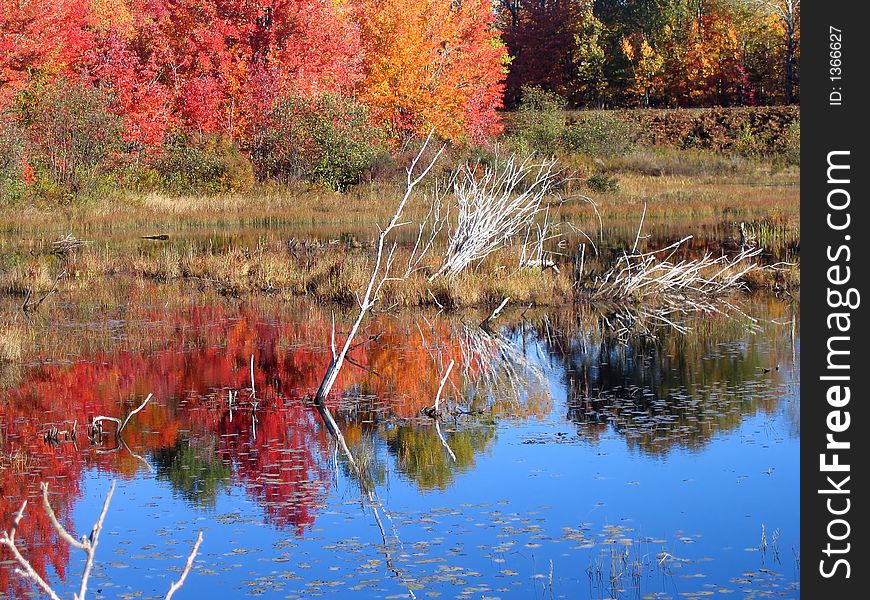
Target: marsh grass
point(13, 341)
point(701, 184)
point(236, 244)
point(333, 271)
point(335, 275)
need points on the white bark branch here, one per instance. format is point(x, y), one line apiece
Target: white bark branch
point(87, 544)
point(177, 584)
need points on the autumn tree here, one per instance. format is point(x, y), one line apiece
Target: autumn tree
point(39, 40)
point(788, 13)
point(646, 67)
point(760, 37)
point(556, 45)
point(633, 21)
point(687, 52)
point(432, 64)
point(701, 54)
point(219, 66)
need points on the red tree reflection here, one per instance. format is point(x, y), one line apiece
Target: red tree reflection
point(278, 452)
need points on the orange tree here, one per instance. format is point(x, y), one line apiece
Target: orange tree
point(432, 64)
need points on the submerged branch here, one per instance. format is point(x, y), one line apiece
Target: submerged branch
point(96, 422)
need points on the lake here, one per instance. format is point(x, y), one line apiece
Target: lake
point(566, 464)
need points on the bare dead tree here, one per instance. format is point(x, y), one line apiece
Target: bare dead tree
point(87, 544)
point(494, 207)
point(643, 276)
point(62, 247)
point(380, 275)
point(644, 290)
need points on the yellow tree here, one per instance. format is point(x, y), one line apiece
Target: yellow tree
point(432, 64)
point(646, 66)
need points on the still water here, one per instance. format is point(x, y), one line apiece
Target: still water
point(584, 467)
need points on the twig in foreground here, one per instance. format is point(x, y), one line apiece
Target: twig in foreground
point(87, 544)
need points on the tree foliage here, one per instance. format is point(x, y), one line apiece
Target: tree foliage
point(219, 66)
point(555, 44)
point(329, 139)
point(39, 40)
point(71, 131)
point(655, 52)
point(432, 64)
point(385, 69)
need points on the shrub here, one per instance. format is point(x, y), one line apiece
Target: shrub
point(793, 143)
point(204, 163)
point(600, 134)
point(139, 177)
point(12, 160)
point(328, 139)
point(603, 183)
point(748, 142)
point(72, 134)
point(539, 121)
point(759, 130)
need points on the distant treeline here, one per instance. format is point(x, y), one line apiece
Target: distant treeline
point(663, 53)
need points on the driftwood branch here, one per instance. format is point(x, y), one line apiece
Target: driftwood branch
point(649, 288)
point(64, 246)
point(61, 531)
point(379, 276)
point(30, 306)
point(253, 387)
point(494, 314)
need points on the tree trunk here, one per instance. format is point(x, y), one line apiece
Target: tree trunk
point(789, 64)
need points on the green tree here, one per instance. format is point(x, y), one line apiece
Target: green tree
point(194, 470)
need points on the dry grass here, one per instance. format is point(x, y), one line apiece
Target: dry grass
point(334, 275)
point(325, 272)
point(692, 202)
point(703, 199)
point(265, 206)
point(13, 340)
point(676, 184)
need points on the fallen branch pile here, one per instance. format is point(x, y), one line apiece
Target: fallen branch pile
point(646, 276)
point(483, 208)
